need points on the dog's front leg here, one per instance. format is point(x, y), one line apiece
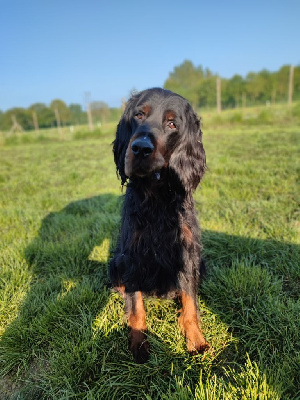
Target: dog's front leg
point(189, 324)
point(136, 313)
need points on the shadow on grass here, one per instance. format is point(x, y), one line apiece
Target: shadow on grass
point(71, 338)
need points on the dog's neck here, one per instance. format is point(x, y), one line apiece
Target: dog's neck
point(165, 191)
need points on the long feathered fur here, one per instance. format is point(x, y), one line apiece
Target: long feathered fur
point(159, 247)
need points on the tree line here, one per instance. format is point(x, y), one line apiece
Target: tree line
point(40, 115)
point(195, 83)
point(199, 86)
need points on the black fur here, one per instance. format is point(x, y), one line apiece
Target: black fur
point(158, 151)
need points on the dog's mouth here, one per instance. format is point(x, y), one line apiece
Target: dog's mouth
point(145, 169)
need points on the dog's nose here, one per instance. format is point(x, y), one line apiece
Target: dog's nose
point(142, 147)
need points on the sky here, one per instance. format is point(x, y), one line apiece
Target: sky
point(63, 49)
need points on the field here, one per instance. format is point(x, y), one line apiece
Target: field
point(64, 333)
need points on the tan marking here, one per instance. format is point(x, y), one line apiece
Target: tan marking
point(189, 324)
point(146, 109)
point(137, 317)
point(121, 290)
point(187, 235)
point(170, 116)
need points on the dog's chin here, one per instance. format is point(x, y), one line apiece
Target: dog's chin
point(144, 171)
point(144, 174)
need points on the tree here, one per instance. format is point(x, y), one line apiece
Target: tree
point(63, 111)
point(185, 80)
point(264, 83)
point(1, 118)
point(78, 116)
point(45, 116)
point(282, 82)
point(198, 85)
point(232, 91)
point(100, 111)
point(296, 95)
point(21, 115)
point(207, 93)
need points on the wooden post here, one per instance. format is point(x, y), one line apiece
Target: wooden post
point(244, 100)
point(291, 85)
point(35, 121)
point(236, 101)
point(16, 127)
point(90, 118)
point(218, 95)
point(57, 120)
point(274, 96)
point(89, 111)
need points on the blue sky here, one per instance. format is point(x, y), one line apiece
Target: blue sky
point(63, 48)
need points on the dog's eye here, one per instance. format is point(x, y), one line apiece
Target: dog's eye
point(139, 115)
point(171, 124)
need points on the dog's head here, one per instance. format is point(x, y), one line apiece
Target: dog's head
point(159, 130)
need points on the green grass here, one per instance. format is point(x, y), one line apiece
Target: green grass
point(64, 333)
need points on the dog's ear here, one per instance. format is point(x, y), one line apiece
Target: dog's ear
point(188, 158)
point(123, 135)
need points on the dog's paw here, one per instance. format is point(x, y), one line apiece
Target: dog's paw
point(195, 341)
point(139, 346)
point(198, 348)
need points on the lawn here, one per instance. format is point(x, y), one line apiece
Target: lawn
point(64, 333)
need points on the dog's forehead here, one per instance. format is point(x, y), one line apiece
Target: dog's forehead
point(161, 102)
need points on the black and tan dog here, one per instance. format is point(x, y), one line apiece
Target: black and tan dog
point(158, 149)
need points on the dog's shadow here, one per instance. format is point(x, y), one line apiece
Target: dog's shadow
point(69, 319)
point(71, 326)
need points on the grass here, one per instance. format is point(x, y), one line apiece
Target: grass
point(64, 333)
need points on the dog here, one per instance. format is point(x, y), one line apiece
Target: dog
point(159, 154)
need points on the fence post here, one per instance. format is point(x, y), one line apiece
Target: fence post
point(291, 85)
point(218, 95)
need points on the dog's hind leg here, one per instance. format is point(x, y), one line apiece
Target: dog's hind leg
point(136, 313)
